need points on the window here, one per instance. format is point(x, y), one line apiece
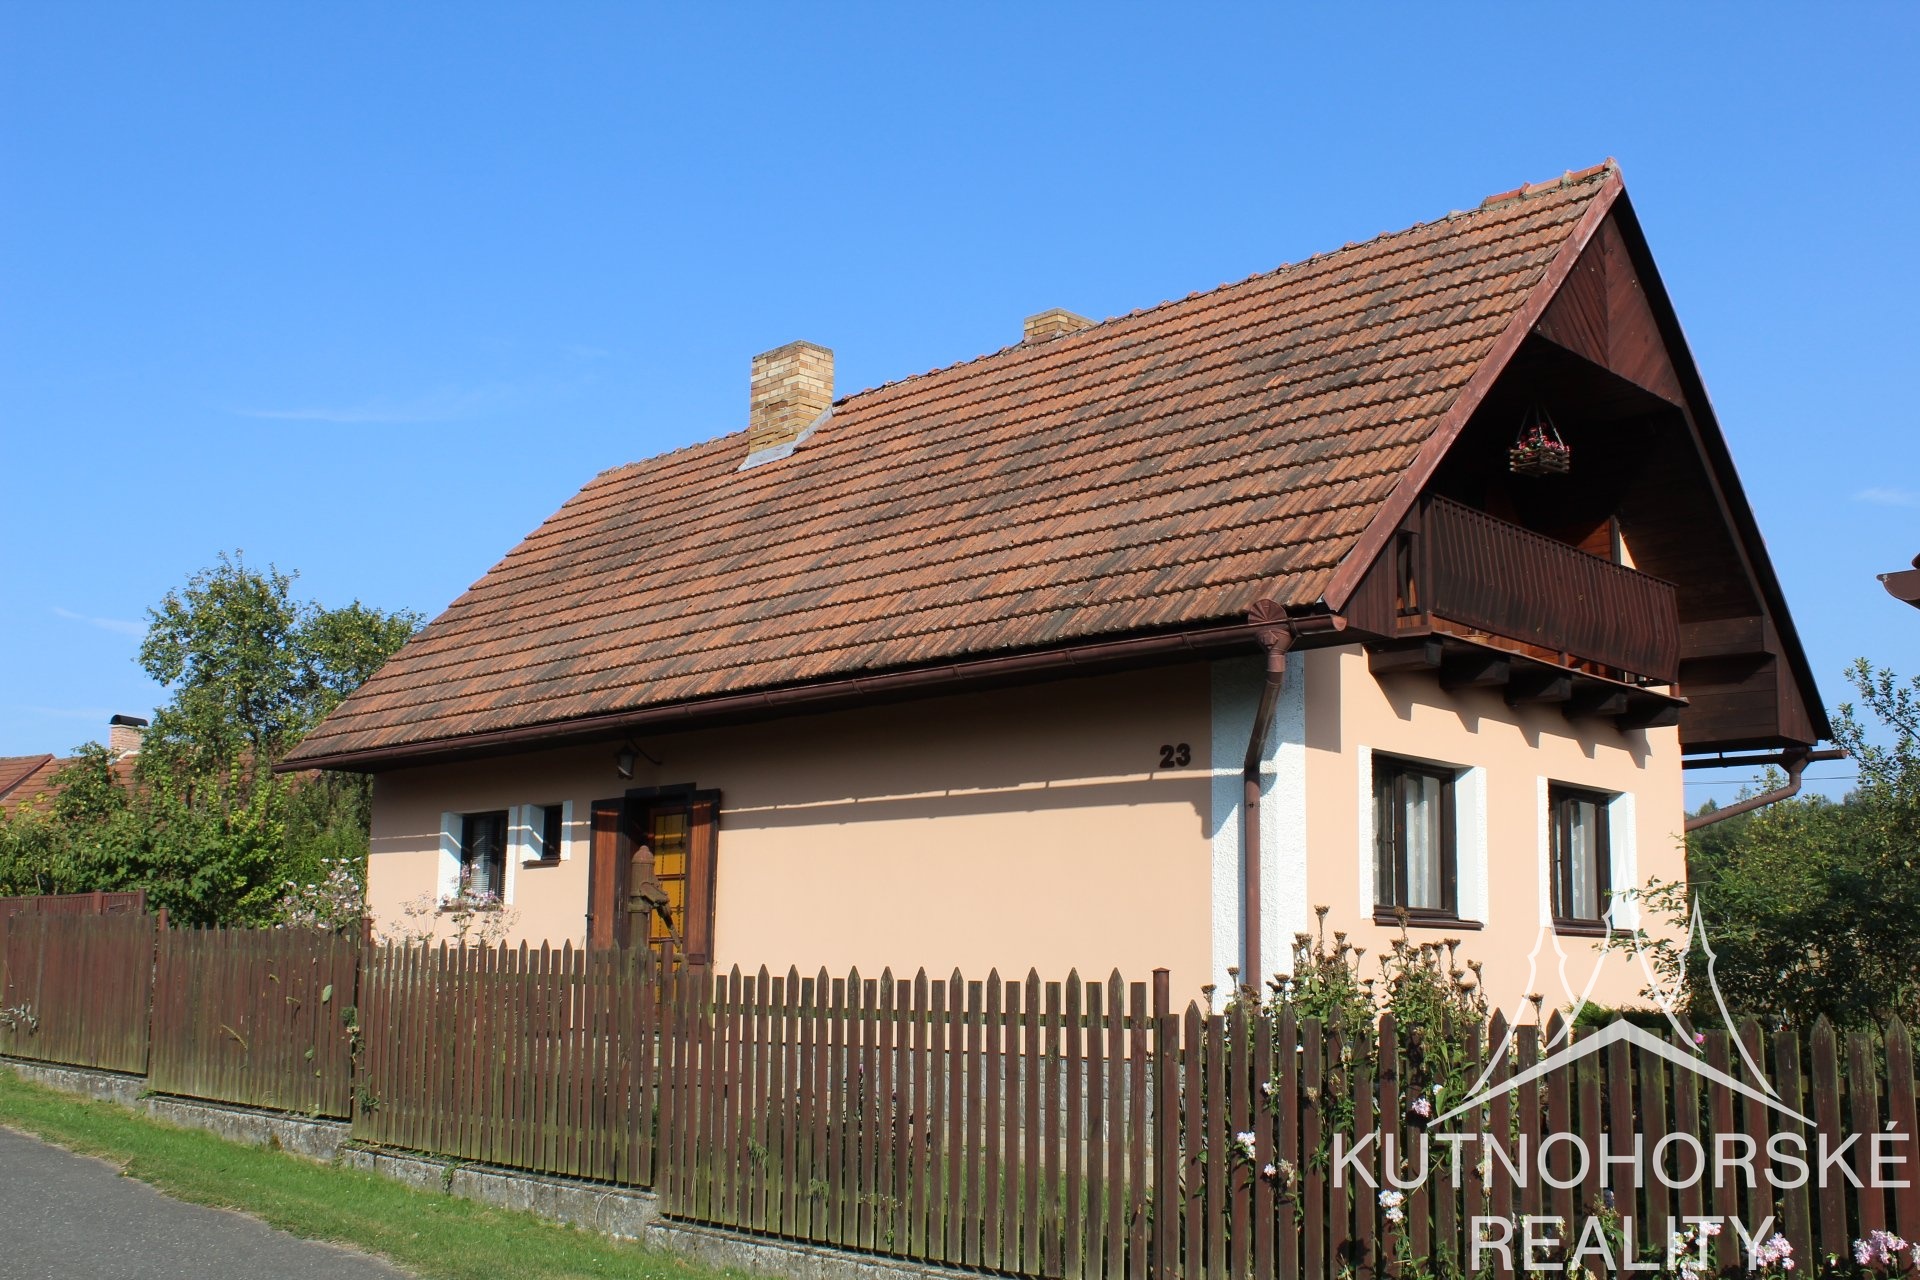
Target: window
point(546, 832)
point(483, 854)
point(1413, 836)
point(1582, 858)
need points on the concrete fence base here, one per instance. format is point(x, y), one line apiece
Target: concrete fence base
point(615, 1211)
point(794, 1259)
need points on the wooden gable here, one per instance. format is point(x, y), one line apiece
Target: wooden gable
point(1602, 314)
point(1685, 515)
point(1691, 603)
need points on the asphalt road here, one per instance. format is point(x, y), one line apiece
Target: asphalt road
point(63, 1215)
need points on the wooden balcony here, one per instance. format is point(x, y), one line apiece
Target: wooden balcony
point(1457, 580)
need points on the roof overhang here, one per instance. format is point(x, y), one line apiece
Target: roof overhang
point(1904, 585)
point(841, 693)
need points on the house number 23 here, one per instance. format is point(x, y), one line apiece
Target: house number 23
point(1176, 756)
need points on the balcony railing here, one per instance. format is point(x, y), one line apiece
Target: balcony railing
point(1470, 569)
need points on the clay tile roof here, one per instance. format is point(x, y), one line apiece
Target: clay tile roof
point(1158, 470)
point(29, 780)
point(17, 770)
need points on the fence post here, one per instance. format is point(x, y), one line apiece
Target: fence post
point(1164, 1243)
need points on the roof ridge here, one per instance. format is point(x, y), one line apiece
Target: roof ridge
point(1526, 190)
point(1570, 178)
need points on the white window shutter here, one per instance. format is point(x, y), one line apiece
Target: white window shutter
point(519, 839)
point(566, 831)
point(1624, 865)
point(448, 871)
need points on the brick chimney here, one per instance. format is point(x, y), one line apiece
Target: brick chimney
point(1051, 323)
point(791, 386)
point(124, 734)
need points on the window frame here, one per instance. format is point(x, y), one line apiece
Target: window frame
point(1561, 797)
point(1391, 911)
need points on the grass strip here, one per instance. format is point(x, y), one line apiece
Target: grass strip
point(428, 1234)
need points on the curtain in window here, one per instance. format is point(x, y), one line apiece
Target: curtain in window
point(1425, 876)
point(1583, 879)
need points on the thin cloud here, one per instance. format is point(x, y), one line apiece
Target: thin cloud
point(450, 404)
point(119, 626)
point(1881, 497)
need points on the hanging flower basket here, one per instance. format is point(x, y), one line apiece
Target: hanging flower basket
point(1538, 450)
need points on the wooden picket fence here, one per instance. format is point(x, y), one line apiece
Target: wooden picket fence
point(75, 989)
point(998, 1125)
point(1083, 1131)
point(540, 1060)
point(260, 1017)
point(1059, 1130)
point(97, 903)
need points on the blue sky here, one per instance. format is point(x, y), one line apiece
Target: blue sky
point(368, 290)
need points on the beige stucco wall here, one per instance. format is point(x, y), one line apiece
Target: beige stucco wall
point(1513, 753)
point(1034, 827)
point(1014, 828)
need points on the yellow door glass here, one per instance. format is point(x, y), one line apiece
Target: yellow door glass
point(667, 834)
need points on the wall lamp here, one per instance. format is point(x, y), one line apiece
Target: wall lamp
point(623, 760)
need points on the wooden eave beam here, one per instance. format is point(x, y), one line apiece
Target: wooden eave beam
point(1474, 669)
point(1532, 685)
point(1427, 655)
point(1650, 711)
point(1595, 700)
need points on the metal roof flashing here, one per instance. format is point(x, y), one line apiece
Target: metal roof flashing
point(780, 451)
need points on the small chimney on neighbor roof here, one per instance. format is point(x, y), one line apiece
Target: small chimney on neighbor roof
point(124, 734)
point(791, 387)
point(1051, 323)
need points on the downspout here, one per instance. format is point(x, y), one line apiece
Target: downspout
point(1276, 633)
point(1795, 763)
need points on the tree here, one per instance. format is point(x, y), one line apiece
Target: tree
point(249, 668)
point(1810, 904)
point(210, 831)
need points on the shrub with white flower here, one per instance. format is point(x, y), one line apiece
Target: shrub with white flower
point(337, 900)
point(1687, 1250)
point(1882, 1249)
point(1774, 1253)
point(467, 915)
point(1244, 1141)
point(1394, 1203)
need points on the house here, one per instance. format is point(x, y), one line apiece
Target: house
point(1403, 581)
point(28, 782)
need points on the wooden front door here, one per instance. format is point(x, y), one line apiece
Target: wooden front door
point(654, 846)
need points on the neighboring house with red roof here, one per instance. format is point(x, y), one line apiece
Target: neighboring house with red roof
point(1398, 580)
point(27, 782)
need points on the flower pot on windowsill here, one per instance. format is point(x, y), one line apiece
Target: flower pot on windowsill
point(463, 906)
